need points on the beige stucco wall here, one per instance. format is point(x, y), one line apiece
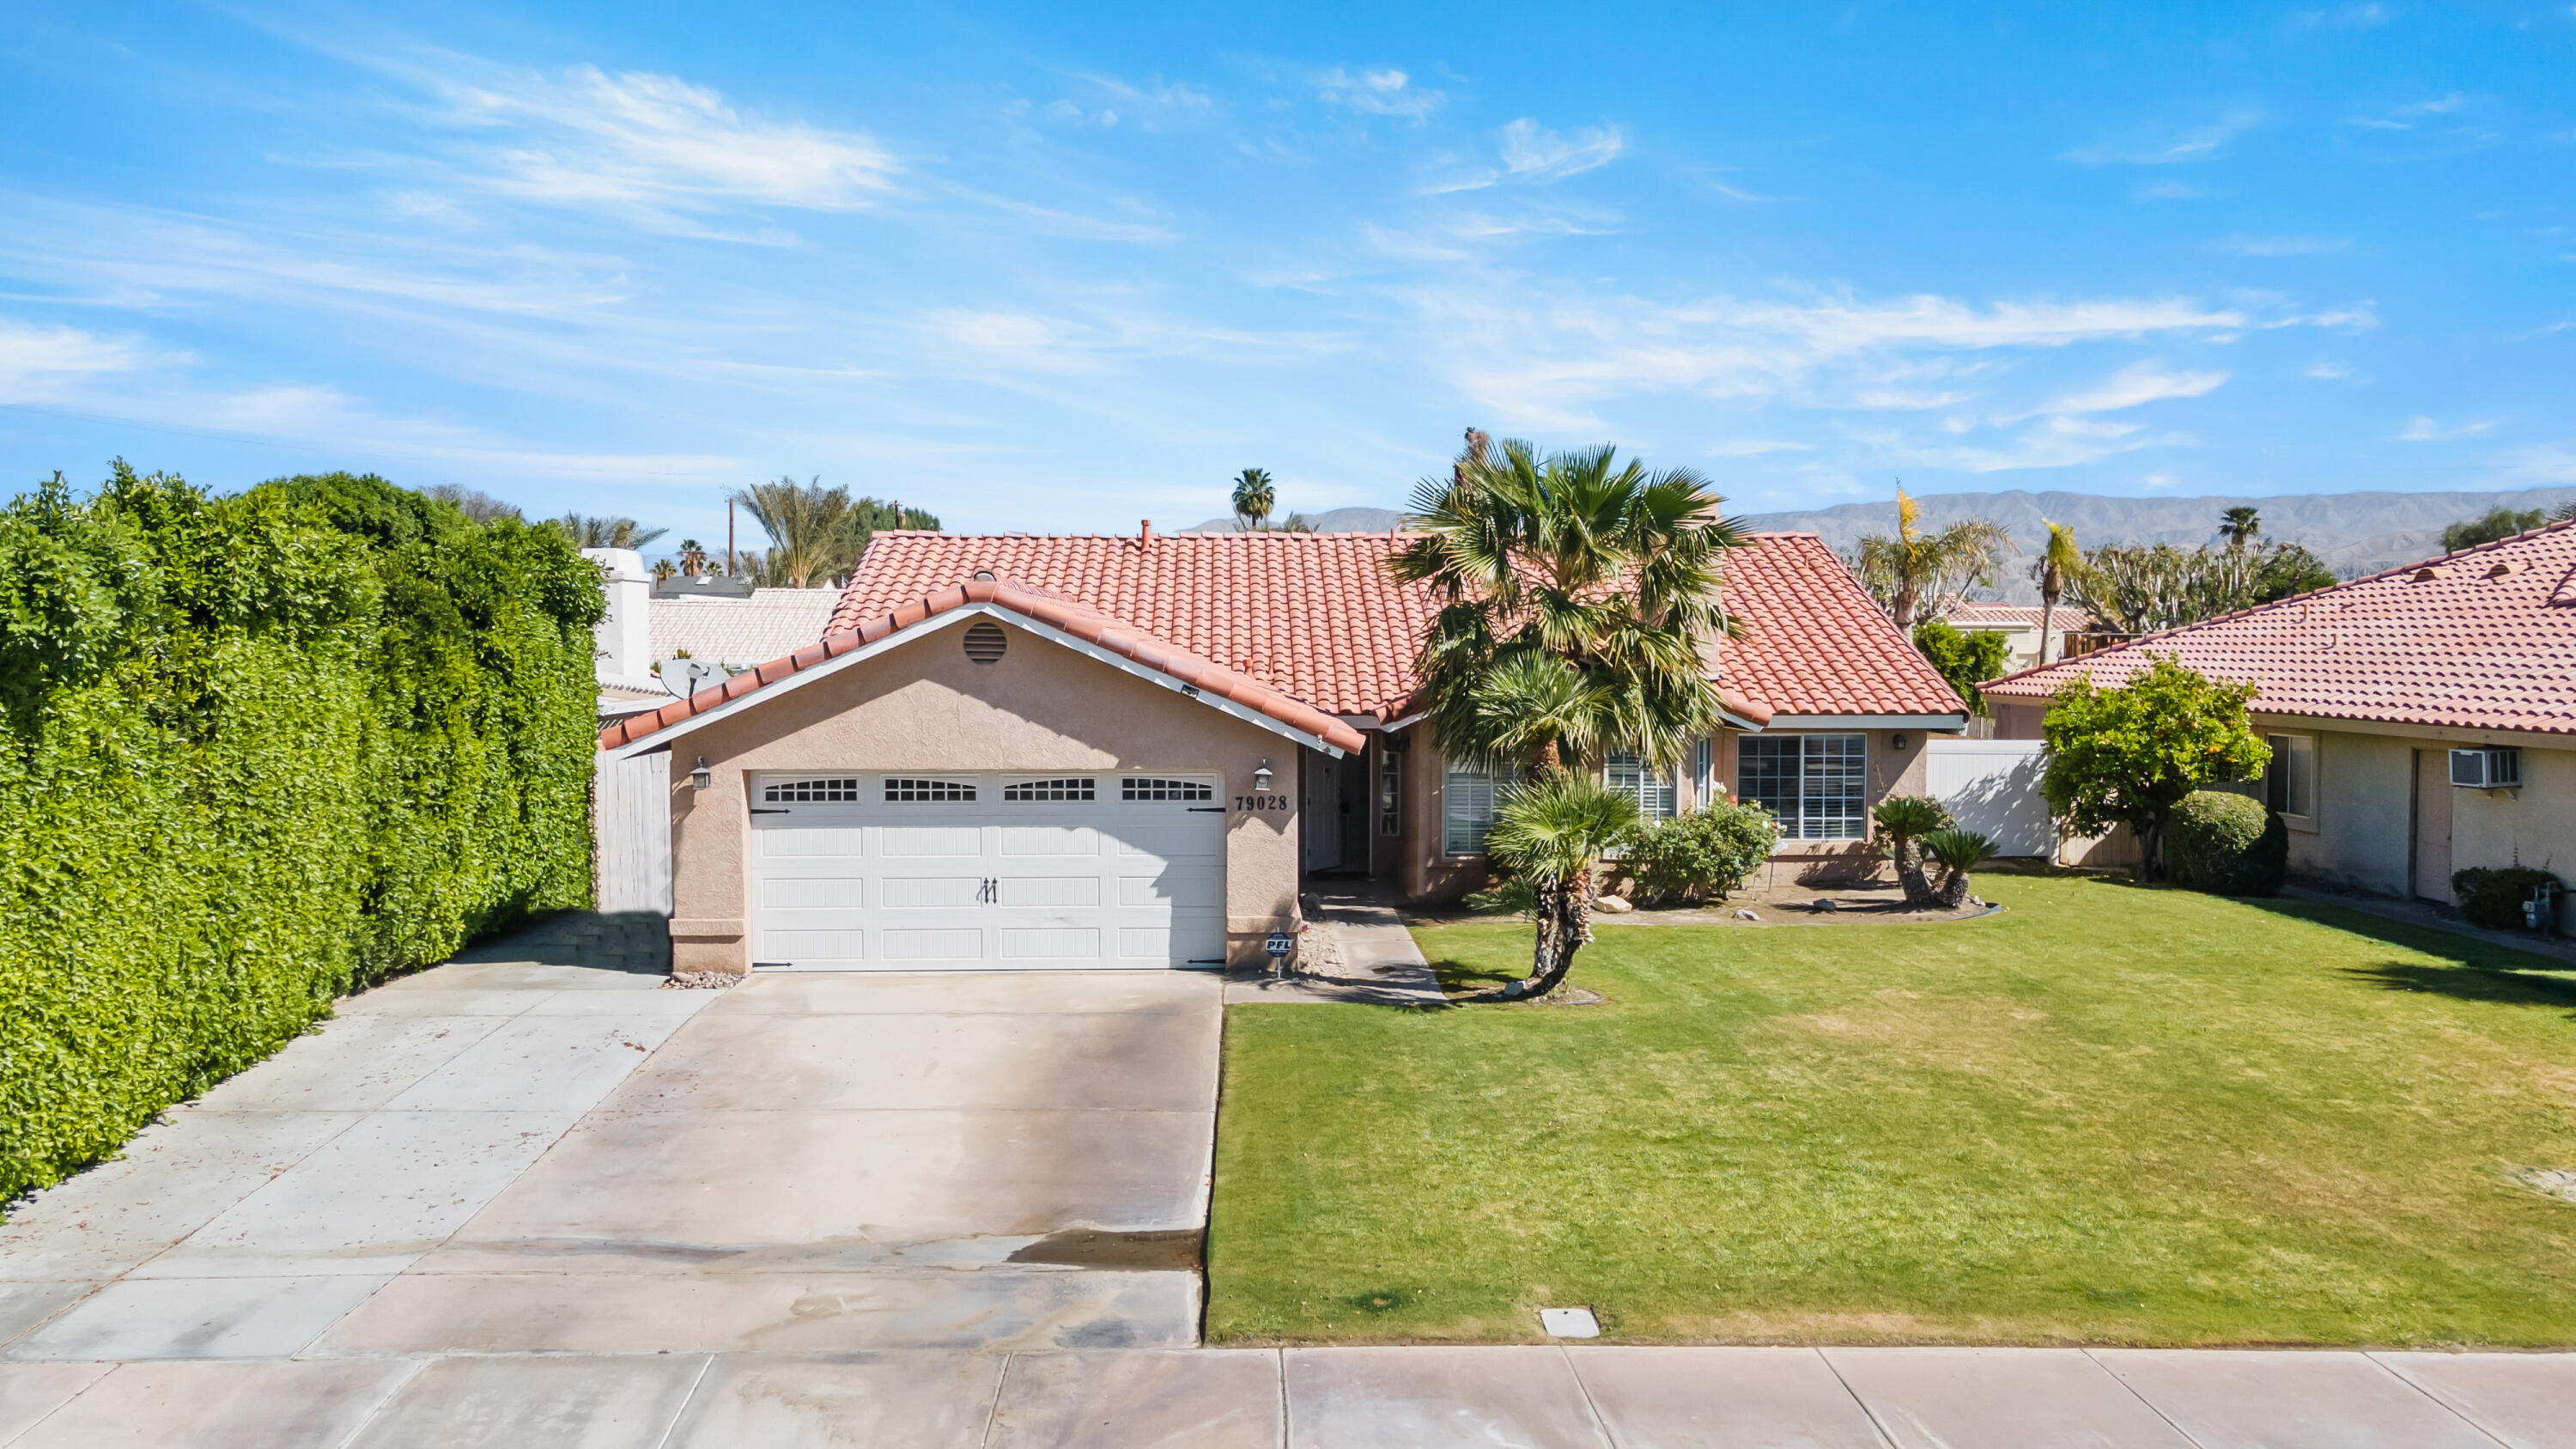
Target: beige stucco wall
point(925, 706)
point(2359, 837)
point(1427, 874)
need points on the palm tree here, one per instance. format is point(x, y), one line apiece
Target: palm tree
point(1552, 833)
point(1253, 499)
point(1915, 574)
point(2059, 563)
point(2566, 512)
point(1959, 851)
point(1606, 571)
point(1907, 820)
point(588, 532)
point(693, 558)
point(814, 532)
point(2239, 524)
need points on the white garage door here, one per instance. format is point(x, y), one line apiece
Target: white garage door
point(966, 872)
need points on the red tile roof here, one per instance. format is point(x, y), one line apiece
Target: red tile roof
point(1082, 623)
point(2480, 639)
point(1817, 643)
point(1317, 615)
point(2019, 616)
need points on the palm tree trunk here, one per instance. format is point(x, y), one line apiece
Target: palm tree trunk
point(1919, 894)
point(2047, 621)
point(1953, 892)
point(1564, 927)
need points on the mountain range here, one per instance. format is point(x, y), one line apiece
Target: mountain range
point(2352, 533)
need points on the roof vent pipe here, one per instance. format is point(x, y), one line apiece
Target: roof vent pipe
point(1146, 538)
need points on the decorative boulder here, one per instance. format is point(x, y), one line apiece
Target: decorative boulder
point(1612, 905)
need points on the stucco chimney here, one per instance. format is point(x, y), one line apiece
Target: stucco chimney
point(1146, 538)
point(625, 632)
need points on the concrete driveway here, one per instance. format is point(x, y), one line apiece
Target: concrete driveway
point(525, 1157)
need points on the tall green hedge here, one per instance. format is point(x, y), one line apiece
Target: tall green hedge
point(255, 751)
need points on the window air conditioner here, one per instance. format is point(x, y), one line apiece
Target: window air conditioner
point(2494, 767)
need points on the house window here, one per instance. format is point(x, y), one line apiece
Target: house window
point(1651, 788)
point(1067, 789)
point(1139, 788)
point(1704, 774)
point(899, 790)
point(838, 790)
point(1467, 810)
point(1390, 790)
point(1818, 785)
point(2290, 781)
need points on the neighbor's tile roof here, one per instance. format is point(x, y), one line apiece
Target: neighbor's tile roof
point(1318, 616)
point(2019, 616)
point(2481, 639)
point(769, 624)
point(1082, 623)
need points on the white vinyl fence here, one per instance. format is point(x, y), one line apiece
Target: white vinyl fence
point(631, 821)
point(1992, 788)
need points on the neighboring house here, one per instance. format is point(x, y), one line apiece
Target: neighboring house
point(2422, 720)
point(718, 623)
point(1133, 750)
point(2019, 624)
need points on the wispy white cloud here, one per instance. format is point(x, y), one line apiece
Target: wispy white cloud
point(651, 142)
point(2280, 246)
point(2541, 463)
point(1379, 91)
point(2327, 371)
point(2425, 430)
point(2197, 143)
point(40, 362)
point(1532, 152)
point(2137, 384)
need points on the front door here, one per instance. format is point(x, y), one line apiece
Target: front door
point(1322, 811)
point(2432, 853)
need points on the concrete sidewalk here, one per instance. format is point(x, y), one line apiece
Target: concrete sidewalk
point(1333, 1398)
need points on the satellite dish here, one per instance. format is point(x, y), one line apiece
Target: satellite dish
point(685, 677)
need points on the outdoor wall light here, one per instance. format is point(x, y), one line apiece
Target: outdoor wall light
point(1896, 741)
point(701, 777)
point(1261, 778)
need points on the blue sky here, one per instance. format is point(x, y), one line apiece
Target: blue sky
point(1060, 267)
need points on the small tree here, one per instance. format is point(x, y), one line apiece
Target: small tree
point(2499, 523)
point(1903, 820)
point(1958, 851)
point(2127, 756)
point(1552, 834)
point(1914, 574)
point(1966, 660)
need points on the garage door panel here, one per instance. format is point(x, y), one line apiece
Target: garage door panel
point(932, 892)
point(1049, 890)
point(1176, 841)
point(1165, 887)
point(1050, 943)
point(960, 943)
point(920, 840)
point(807, 843)
point(812, 893)
point(1049, 840)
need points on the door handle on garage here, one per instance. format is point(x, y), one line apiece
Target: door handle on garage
point(756, 810)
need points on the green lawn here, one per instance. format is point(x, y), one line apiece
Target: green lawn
point(2108, 1115)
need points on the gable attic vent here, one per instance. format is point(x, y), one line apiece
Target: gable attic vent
point(985, 641)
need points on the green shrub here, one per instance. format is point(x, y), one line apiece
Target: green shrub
point(2493, 898)
point(2228, 844)
point(1708, 851)
point(255, 751)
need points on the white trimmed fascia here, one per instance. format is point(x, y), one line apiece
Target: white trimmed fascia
point(1868, 722)
point(661, 739)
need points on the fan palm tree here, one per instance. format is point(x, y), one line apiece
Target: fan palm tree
point(2240, 524)
point(1921, 575)
point(1603, 570)
point(1552, 834)
point(588, 532)
point(814, 532)
point(693, 558)
point(1253, 499)
point(2059, 563)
